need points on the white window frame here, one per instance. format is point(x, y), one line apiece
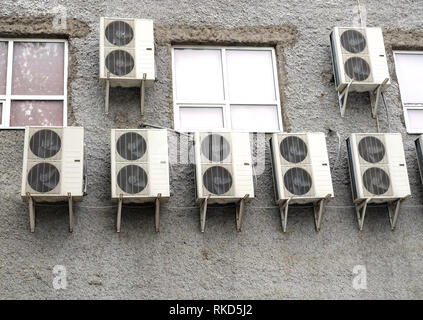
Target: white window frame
point(226, 103)
point(9, 97)
point(409, 106)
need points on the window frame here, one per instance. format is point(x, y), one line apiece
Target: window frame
point(408, 106)
point(226, 103)
point(9, 97)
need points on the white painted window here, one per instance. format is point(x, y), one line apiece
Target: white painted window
point(33, 83)
point(409, 70)
point(225, 88)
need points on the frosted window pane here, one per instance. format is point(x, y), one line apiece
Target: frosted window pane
point(198, 75)
point(197, 118)
point(38, 68)
point(409, 68)
point(415, 119)
point(254, 118)
point(36, 113)
point(250, 75)
point(3, 67)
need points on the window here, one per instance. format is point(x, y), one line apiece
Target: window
point(33, 82)
point(409, 69)
point(225, 88)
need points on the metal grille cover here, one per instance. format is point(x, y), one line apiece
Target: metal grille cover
point(43, 177)
point(371, 149)
point(119, 33)
point(357, 68)
point(217, 180)
point(297, 181)
point(45, 143)
point(132, 179)
point(293, 149)
point(353, 41)
point(131, 146)
point(119, 62)
point(215, 147)
point(376, 181)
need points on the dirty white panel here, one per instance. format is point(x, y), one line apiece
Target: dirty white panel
point(36, 113)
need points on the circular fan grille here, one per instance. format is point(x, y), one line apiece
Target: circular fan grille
point(215, 147)
point(132, 179)
point(297, 181)
point(43, 177)
point(371, 149)
point(376, 181)
point(357, 68)
point(131, 146)
point(353, 41)
point(119, 33)
point(45, 143)
point(217, 180)
point(119, 62)
point(293, 149)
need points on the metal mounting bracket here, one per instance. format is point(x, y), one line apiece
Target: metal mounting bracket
point(71, 218)
point(343, 98)
point(375, 97)
point(203, 212)
point(107, 94)
point(142, 92)
point(240, 212)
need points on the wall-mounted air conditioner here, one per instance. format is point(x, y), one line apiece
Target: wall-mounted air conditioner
point(359, 63)
point(140, 168)
point(53, 167)
point(301, 172)
point(378, 172)
point(223, 171)
point(127, 54)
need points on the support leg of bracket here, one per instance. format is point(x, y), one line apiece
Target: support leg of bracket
point(107, 96)
point(361, 212)
point(157, 213)
point(343, 97)
point(71, 218)
point(31, 205)
point(284, 213)
point(203, 211)
point(142, 92)
point(393, 217)
point(240, 212)
point(119, 213)
point(375, 97)
point(318, 212)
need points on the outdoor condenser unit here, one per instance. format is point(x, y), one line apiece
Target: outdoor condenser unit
point(53, 167)
point(127, 54)
point(301, 172)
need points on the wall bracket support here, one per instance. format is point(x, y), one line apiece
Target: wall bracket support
point(375, 97)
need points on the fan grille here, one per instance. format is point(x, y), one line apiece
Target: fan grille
point(297, 181)
point(215, 147)
point(217, 180)
point(353, 41)
point(45, 143)
point(119, 33)
point(43, 177)
point(371, 149)
point(131, 146)
point(132, 179)
point(376, 181)
point(357, 68)
point(119, 62)
point(293, 149)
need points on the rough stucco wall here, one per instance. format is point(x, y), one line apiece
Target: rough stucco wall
point(180, 262)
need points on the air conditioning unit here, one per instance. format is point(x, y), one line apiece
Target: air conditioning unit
point(53, 167)
point(301, 172)
point(140, 168)
point(127, 54)
point(419, 150)
point(223, 171)
point(359, 63)
point(378, 172)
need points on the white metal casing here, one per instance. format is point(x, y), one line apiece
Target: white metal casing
point(155, 162)
point(238, 163)
point(141, 48)
point(393, 163)
point(69, 161)
point(374, 54)
point(316, 163)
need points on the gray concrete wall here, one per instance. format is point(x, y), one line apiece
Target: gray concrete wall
point(260, 262)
